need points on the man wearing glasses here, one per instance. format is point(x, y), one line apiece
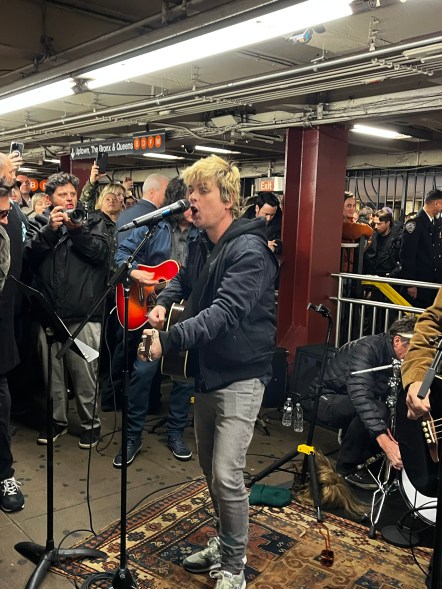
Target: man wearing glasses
point(11, 250)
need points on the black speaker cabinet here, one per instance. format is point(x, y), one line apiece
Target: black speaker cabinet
point(306, 369)
point(276, 391)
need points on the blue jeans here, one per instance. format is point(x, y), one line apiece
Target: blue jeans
point(141, 379)
point(224, 424)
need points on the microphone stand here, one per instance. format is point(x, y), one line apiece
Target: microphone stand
point(309, 463)
point(122, 578)
point(45, 556)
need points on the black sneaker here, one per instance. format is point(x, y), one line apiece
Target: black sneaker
point(362, 479)
point(57, 431)
point(133, 448)
point(178, 447)
point(11, 498)
point(89, 438)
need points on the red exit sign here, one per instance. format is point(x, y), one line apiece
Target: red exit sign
point(266, 184)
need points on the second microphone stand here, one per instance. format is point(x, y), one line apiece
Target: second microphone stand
point(309, 464)
point(122, 578)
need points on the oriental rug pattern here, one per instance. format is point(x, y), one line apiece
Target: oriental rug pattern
point(284, 549)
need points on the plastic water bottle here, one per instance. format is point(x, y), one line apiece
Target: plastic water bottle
point(298, 418)
point(287, 412)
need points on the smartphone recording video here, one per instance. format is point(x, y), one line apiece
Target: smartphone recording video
point(102, 162)
point(17, 146)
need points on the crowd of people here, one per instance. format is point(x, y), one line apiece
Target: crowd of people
point(410, 250)
point(68, 245)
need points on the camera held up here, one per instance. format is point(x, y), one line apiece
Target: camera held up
point(76, 216)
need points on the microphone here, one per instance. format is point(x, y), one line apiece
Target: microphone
point(156, 216)
point(320, 309)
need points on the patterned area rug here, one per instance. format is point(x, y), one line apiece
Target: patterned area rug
point(284, 549)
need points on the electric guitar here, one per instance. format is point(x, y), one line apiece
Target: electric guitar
point(176, 364)
point(143, 298)
point(418, 441)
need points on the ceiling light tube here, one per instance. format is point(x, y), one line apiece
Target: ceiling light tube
point(214, 149)
point(378, 132)
point(37, 96)
point(417, 51)
point(163, 156)
point(254, 30)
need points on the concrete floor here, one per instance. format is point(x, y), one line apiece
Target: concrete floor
point(152, 471)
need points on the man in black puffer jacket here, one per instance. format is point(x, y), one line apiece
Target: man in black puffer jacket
point(70, 261)
point(356, 402)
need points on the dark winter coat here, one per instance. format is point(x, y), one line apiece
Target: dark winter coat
point(233, 318)
point(372, 351)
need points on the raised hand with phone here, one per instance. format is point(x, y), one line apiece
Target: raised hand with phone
point(16, 154)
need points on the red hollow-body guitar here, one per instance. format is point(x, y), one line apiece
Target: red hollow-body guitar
point(143, 298)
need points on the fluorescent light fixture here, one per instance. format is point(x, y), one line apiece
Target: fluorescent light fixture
point(214, 149)
point(51, 161)
point(28, 170)
point(228, 38)
point(377, 132)
point(163, 156)
point(37, 96)
point(418, 51)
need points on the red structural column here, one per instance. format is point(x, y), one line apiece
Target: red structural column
point(311, 231)
point(80, 168)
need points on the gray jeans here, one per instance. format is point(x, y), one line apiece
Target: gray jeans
point(224, 423)
point(83, 375)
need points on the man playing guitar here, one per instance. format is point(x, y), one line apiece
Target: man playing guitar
point(228, 284)
point(423, 470)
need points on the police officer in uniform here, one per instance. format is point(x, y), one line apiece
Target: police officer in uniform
point(421, 250)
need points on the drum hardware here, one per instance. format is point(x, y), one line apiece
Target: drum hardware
point(375, 369)
point(420, 506)
point(309, 464)
point(385, 487)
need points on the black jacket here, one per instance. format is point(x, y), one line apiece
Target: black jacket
point(233, 319)
point(71, 267)
point(382, 255)
point(372, 351)
point(421, 249)
point(16, 229)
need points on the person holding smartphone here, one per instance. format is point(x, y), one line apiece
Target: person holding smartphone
point(91, 190)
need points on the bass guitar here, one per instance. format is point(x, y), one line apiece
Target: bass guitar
point(176, 364)
point(143, 298)
point(418, 442)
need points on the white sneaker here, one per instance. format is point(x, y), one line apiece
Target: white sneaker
point(228, 580)
point(205, 560)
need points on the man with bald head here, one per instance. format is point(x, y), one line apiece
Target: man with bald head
point(154, 190)
point(12, 233)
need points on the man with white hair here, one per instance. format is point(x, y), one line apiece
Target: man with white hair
point(154, 190)
point(154, 194)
